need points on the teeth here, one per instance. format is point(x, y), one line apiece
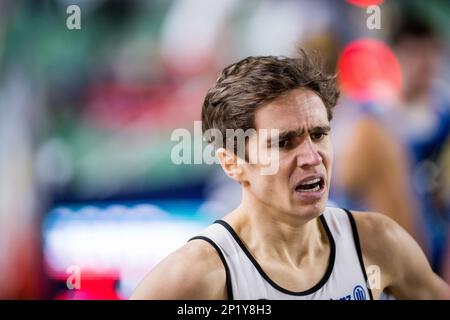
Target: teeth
point(311, 182)
point(316, 188)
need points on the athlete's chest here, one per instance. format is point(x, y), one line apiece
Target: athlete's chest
point(296, 278)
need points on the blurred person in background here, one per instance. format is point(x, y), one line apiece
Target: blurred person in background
point(421, 117)
point(402, 140)
point(380, 181)
point(425, 108)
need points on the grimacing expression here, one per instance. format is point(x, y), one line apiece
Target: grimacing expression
point(301, 184)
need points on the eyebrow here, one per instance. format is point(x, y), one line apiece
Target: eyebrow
point(298, 133)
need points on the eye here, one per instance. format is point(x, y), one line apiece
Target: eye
point(285, 144)
point(317, 136)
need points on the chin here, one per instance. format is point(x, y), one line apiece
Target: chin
point(311, 210)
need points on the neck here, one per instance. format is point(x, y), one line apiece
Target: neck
point(272, 234)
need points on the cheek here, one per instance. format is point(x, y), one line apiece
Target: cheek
point(266, 185)
point(326, 150)
point(329, 155)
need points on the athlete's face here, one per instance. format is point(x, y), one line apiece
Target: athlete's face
point(300, 186)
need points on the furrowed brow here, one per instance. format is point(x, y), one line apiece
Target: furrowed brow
point(320, 129)
point(283, 135)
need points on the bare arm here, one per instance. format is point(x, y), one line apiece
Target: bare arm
point(195, 271)
point(415, 278)
point(405, 271)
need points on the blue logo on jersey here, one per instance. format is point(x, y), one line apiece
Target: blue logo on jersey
point(359, 293)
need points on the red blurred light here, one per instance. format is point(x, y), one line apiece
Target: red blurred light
point(118, 106)
point(94, 286)
point(368, 70)
point(365, 3)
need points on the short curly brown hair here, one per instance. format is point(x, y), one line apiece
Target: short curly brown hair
point(253, 82)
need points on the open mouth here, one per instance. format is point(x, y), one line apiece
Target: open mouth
point(311, 185)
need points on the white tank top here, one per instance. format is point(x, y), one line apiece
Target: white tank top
point(344, 279)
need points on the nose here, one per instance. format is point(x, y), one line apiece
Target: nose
point(307, 155)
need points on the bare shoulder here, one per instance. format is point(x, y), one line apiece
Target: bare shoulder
point(405, 271)
point(376, 230)
point(195, 271)
point(380, 238)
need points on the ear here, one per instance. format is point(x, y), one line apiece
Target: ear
point(231, 164)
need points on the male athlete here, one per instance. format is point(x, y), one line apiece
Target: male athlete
point(283, 242)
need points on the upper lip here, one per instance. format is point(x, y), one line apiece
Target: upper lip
point(310, 177)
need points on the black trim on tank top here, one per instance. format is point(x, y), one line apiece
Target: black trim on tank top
point(315, 288)
point(358, 248)
point(227, 270)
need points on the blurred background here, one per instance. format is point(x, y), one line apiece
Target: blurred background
point(87, 185)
